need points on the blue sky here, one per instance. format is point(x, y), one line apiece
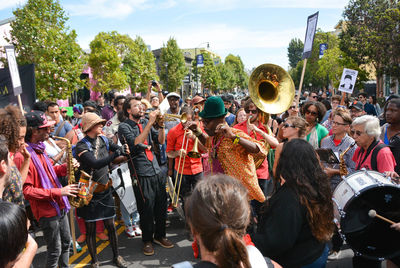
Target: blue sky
point(258, 31)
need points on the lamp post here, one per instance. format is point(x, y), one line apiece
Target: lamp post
point(166, 76)
point(195, 56)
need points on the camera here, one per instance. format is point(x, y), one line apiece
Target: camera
point(154, 83)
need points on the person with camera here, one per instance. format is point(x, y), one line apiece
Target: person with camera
point(93, 152)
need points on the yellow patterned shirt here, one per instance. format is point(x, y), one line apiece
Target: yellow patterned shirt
point(237, 162)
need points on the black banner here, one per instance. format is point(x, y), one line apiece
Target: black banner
point(28, 96)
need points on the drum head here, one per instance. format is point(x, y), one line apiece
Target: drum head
point(373, 237)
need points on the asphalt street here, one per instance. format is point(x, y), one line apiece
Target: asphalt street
point(131, 250)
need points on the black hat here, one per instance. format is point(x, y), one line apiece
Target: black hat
point(38, 119)
point(357, 105)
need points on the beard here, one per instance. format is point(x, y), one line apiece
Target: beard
point(136, 116)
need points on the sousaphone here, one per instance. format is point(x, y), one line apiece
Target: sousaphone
point(271, 88)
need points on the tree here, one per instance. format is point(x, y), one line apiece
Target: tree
point(295, 52)
point(371, 36)
point(227, 77)
point(40, 36)
point(172, 59)
point(209, 75)
point(106, 63)
point(241, 77)
point(140, 66)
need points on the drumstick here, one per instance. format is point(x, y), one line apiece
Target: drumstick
point(372, 213)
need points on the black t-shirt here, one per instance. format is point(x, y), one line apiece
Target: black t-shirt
point(394, 145)
point(98, 165)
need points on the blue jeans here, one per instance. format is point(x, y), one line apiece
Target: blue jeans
point(321, 261)
point(129, 219)
point(57, 237)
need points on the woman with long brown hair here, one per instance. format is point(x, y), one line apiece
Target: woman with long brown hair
point(218, 213)
point(297, 221)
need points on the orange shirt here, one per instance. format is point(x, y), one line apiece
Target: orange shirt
point(262, 171)
point(237, 162)
point(174, 143)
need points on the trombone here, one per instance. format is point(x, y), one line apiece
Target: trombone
point(172, 117)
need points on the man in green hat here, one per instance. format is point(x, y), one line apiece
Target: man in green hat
point(231, 151)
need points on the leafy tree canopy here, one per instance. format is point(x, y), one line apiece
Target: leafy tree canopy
point(40, 36)
point(172, 63)
point(295, 52)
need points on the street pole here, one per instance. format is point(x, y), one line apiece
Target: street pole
point(195, 56)
point(166, 78)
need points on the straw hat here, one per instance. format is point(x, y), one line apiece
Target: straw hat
point(89, 120)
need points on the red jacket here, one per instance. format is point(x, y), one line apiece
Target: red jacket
point(37, 196)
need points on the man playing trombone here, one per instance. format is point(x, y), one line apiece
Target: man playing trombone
point(188, 167)
point(149, 184)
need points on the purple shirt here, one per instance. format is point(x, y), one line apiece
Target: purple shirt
point(107, 113)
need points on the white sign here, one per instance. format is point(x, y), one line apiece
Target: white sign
point(310, 32)
point(13, 67)
point(126, 193)
point(348, 80)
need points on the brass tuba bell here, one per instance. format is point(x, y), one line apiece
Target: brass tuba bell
point(194, 153)
point(271, 88)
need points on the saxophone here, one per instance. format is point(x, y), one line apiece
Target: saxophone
point(342, 165)
point(80, 200)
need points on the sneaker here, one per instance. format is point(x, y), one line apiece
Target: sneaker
point(164, 242)
point(120, 262)
point(81, 238)
point(102, 236)
point(334, 255)
point(148, 249)
point(94, 265)
point(137, 230)
point(130, 231)
point(170, 208)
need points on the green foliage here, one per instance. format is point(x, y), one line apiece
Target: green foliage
point(236, 64)
point(40, 36)
point(328, 69)
point(209, 76)
point(227, 75)
point(172, 55)
point(105, 61)
point(295, 52)
point(371, 35)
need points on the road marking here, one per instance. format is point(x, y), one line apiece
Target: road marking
point(78, 255)
point(100, 248)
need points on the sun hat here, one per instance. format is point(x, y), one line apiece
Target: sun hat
point(89, 120)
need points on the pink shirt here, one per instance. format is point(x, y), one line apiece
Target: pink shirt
point(384, 160)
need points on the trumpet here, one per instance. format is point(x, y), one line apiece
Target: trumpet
point(171, 117)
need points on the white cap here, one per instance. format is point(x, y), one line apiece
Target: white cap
point(173, 94)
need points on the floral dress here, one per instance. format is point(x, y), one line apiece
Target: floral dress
point(13, 192)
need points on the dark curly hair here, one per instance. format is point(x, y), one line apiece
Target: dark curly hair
point(307, 179)
point(11, 119)
point(320, 108)
point(219, 212)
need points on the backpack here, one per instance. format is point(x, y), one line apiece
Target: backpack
point(374, 164)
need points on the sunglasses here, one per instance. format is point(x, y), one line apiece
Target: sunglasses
point(64, 112)
point(292, 107)
point(358, 133)
point(339, 124)
point(311, 112)
point(286, 125)
point(314, 97)
point(251, 111)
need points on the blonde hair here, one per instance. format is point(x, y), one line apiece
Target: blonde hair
point(299, 123)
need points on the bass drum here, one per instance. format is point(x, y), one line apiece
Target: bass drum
point(354, 197)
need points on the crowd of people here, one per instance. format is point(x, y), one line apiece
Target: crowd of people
point(217, 153)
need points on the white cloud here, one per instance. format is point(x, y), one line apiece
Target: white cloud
point(4, 4)
point(106, 8)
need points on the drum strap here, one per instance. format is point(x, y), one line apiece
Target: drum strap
point(370, 148)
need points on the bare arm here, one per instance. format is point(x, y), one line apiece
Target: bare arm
point(143, 136)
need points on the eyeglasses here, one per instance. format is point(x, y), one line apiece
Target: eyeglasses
point(314, 97)
point(339, 124)
point(311, 112)
point(251, 111)
point(356, 132)
point(286, 125)
point(292, 107)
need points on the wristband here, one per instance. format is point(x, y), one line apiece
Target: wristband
point(236, 140)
